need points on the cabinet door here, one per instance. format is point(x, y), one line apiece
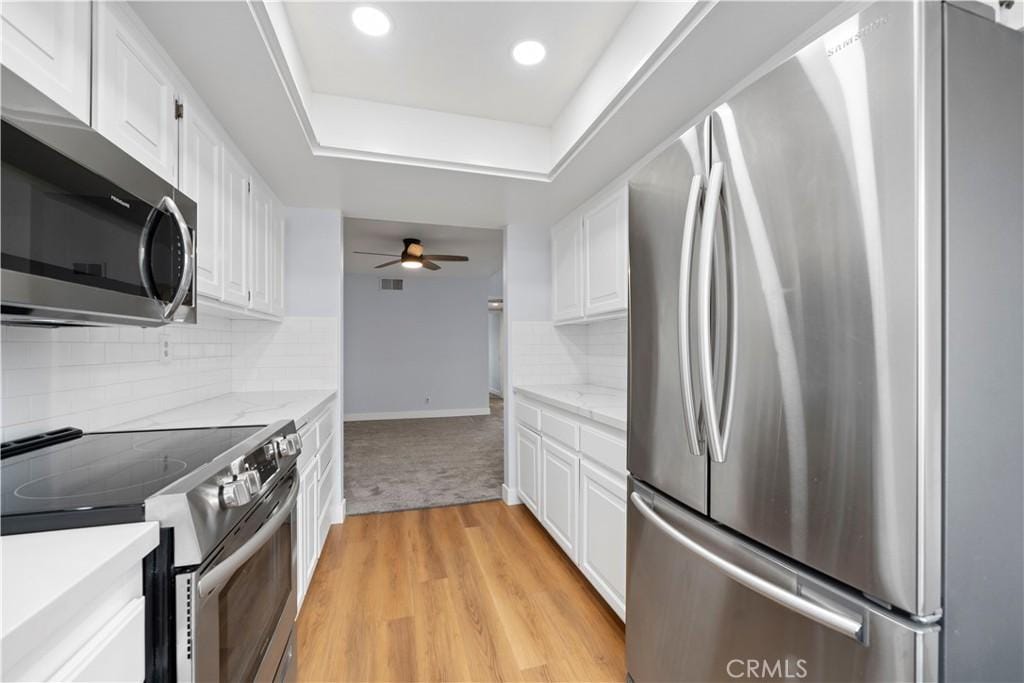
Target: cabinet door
point(605, 257)
point(528, 467)
point(603, 533)
point(201, 174)
point(559, 481)
point(566, 280)
point(308, 524)
point(235, 181)
point(48, 44)
point(134, 95)
point(277, 262)
point(259, 246)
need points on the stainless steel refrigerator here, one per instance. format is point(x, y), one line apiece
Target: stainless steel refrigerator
point(825, 366)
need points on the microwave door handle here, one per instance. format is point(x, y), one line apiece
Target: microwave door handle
point(219, 575)
point(188, 249)
point(145, 272)
point(704, 275)
point(685, 265)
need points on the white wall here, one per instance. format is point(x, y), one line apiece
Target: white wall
point(427, 341)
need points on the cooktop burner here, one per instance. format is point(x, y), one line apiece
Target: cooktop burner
point(107, 473)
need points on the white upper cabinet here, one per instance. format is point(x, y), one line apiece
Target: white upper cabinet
point(590, 261)
point(277, 261)
point(236, 231)
point(566, 272)
point(605, 256)
point(134, 96)
point(262, 203)
point(48, 44)
point(201, 180)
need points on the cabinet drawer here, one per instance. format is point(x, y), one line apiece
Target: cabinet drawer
point(604, 449)
point(326, 456)
point(116, 653)
point(310, 436)
point(528, 415)
point(327, 425)
point(327, 487)
point(557, 427)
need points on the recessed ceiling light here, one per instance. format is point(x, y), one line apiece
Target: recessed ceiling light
point(529, 52)
point(371, 21)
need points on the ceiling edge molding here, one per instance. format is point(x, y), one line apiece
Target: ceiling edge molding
point(271, 29)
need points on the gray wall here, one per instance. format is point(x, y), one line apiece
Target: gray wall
point(428, 340)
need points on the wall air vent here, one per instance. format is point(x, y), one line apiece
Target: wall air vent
point(391, 284)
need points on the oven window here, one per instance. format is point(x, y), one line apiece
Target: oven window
point(62, 221)
point(251, 605)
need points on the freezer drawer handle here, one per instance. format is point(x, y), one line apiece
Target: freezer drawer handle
point(836, 621)
point(685, 258)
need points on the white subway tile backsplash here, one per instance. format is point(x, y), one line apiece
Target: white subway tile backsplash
point(95, 378)
point(543, 353)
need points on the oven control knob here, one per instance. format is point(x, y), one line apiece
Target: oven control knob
point(234, 494)
point(251, 478)
point(289, 445)
point(271, 450)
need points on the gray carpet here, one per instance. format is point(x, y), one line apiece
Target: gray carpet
point(407, 464)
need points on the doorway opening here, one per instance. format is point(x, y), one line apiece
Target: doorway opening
point(423, 373)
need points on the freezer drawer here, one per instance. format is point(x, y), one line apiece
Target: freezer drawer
point(706, 605)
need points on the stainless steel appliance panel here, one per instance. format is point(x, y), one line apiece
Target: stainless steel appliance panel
point(984, 208)
point(819, 435)
point(664, 444)
point(704, 605)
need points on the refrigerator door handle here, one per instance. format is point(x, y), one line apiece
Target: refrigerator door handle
point(704, 276)
point(837, 621)
point(685, 367)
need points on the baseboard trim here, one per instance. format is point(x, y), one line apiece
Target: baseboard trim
point(413, 414)
point(338, 514)
point(509, 496)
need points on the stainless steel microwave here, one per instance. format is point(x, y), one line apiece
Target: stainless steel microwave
point(88, 235)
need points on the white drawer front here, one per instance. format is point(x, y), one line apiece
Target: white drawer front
point(326, 456)
point(604, 449)
point(557, 427)
point(327, 426)
point(116, 653)
point(527, 414)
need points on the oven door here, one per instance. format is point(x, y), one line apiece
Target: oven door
point(81, 247)
point(236, 613)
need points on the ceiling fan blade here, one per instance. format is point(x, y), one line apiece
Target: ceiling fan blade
point(375, 253)
point(389, 263)
point(430, 266)
point(445, 257)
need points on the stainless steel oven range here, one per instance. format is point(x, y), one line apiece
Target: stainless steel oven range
point(221, 586)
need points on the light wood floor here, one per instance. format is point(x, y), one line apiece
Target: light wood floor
point(469, 593)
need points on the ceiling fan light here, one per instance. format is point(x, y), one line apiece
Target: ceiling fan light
point(411, 263)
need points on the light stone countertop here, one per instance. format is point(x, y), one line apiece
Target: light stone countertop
point(51, 575)
point(238, 409)
point(601, 404)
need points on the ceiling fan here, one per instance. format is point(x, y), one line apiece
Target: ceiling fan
point(412, 256)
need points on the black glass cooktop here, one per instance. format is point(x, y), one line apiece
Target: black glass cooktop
point(101, 478)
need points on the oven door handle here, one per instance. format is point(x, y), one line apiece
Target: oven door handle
point(219, 575)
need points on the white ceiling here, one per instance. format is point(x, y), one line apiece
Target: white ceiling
point(219, 48)
point(483, 247)
point(455, 56)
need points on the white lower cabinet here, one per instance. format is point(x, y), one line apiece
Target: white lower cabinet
point(319, 481)
point(602, 539)
point(579, 496)
point(528, 467)
point(560, 473)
